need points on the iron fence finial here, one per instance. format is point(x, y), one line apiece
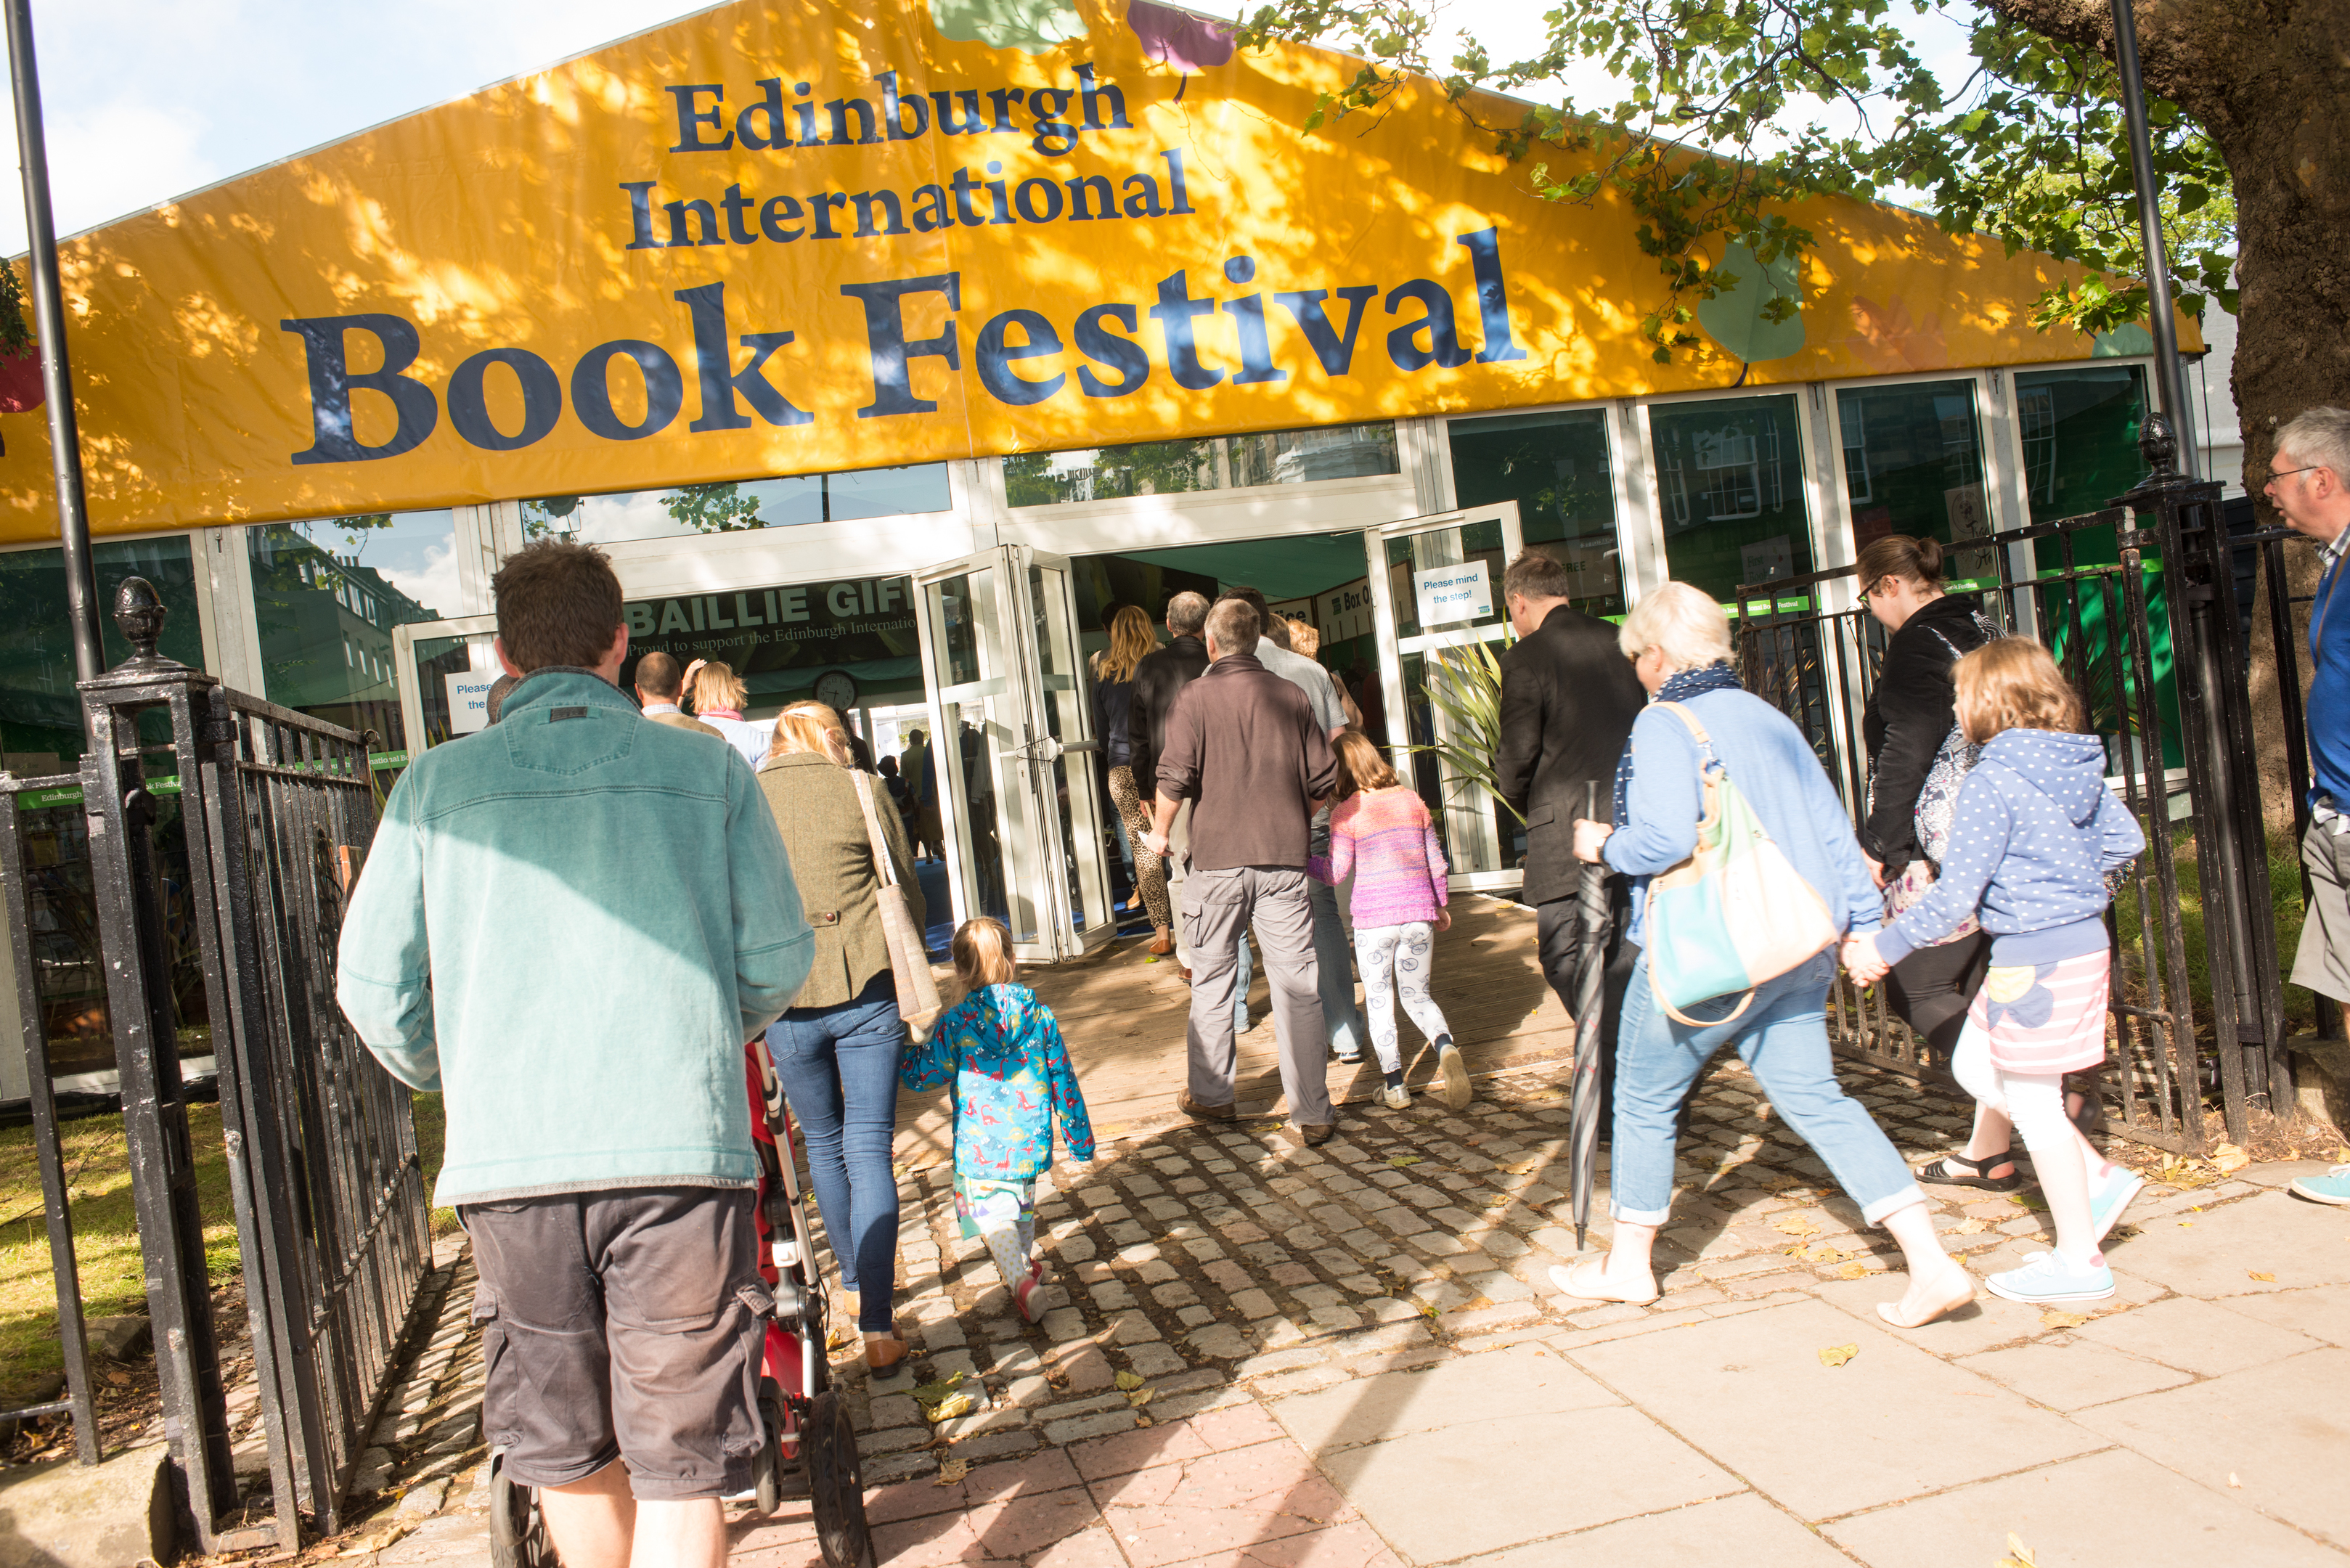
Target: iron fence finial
point(2159, 444)
point(140, 612)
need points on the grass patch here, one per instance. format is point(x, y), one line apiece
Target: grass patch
point(106, 1229)
point(106, 1234)
point(2284, 899)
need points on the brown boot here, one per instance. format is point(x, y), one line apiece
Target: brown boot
point(1198, 1112)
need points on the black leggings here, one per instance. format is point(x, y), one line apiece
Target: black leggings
point(1932, 988)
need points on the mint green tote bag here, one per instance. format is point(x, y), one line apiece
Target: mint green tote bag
point(1734, 914)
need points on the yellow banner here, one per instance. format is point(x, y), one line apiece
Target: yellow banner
point(780, 238)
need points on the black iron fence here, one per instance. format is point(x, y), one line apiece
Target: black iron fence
point(2138, 603)
point(222, 930)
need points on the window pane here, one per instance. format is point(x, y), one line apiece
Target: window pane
point(2079, 428)
point(1913, 464)
point(1730, 482)
point(1209, 462)
point(325, 597)
point(40, 712)
point(696, 509)
point(1556, 467)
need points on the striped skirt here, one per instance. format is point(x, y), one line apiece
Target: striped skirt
point(2045, 1018)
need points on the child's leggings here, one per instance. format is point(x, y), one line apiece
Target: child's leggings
point(1400, 953)
point(1008, 1226)
point(2034, 1101)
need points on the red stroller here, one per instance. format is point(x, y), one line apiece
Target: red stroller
point(809, 1446)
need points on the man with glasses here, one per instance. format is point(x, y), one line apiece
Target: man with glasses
point(2309, 484)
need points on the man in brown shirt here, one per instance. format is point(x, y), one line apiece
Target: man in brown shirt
point(659, 683)
point(1243, 745)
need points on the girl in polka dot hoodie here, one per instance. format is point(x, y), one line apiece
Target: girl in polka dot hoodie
point(2036, 833)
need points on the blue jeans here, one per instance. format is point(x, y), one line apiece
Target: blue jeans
point(838, 1067)
point(1784, 1038)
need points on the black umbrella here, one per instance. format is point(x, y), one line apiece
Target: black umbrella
point(1590, 980)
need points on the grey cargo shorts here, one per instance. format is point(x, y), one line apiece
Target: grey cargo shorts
point(622, 1324)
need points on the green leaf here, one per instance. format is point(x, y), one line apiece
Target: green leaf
point(1741, 317)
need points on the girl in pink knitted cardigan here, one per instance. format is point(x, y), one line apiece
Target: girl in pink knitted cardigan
point(1382, 835)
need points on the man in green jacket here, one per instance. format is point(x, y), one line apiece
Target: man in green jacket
point(568, 924)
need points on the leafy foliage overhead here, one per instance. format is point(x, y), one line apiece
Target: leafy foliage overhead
point(1734, 109)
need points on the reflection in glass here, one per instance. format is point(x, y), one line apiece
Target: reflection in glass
point(736, 505)
point(960, 605)
point(1556, 468)
point(1729, 478)
point(41, 711)
point(437, 658)
point(2079, 428)
point(325, 597)
point(1209, 462)
point(1056, 663)
point(1913, 464)
point(969, 769)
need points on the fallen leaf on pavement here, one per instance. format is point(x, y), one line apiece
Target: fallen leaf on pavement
point(1400, 1160)
point(1794, 1225)
point(951, 1470)
point(1128, 1382)
point(1138, 1397)
point(1838, 1354)
point(1969, 1226)
point(952, 1406)
point(2261, 1275)
point(2053, 1318)
point(932, 1394)
point(1142, 1420)
point(1852, 1271)
point(2019, 1555)
point(2230, 1159)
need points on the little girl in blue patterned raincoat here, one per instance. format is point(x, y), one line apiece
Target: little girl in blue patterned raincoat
point(1011, 1071)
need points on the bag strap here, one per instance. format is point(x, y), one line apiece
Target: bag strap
point(884, 866)
point(1695, 729)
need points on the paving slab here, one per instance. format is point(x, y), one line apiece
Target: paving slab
point(1435, 1497)
point(2323, 1312)
point(1744, 1531)
point(2196, 1336)
point(1218, 1504)
point(1988, 1325)
point(2299, 1243)
point(2096, 1511)
point(1752, 1392)
point(2071, 1377)
point(1498, 1385)
point(2280, 1430)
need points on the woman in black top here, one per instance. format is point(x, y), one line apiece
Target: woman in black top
point(1130, 639)
point(1908, 729)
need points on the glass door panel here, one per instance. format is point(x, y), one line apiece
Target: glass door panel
point(1063, 760)
point(1437, 597)
point(1555, 466)
point(1730, 489)
point(444, 669)
point(974, 707)
point(1913, 464)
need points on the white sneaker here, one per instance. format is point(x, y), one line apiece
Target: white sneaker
point(1395, 1099)
point(1455, 1071)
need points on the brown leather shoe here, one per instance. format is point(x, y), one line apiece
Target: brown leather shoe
point(1161, 948)
point(1198, 1112)
point(1186, 975)
point(1315, 1134)
point(885, 1356)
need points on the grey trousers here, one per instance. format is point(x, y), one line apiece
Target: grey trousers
point(1340, 1017)
point(1218, 907)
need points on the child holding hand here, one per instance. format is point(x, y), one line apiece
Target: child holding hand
point(1002, 1050)
point(2036, 833)
point(1381, 835)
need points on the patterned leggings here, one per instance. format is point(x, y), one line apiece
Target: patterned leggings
point(1149, 870)
point(1402, 953)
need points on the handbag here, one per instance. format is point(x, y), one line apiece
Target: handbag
point(910, 963)
point(1736, 913)
point(1936, 808)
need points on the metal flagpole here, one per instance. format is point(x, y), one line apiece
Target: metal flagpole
point(50, 326)
point(2176, 401)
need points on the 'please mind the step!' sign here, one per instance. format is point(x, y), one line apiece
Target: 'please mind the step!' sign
point(776, 239)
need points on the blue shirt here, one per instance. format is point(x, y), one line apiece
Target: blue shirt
point(2328, 711)
point(1780, 775)
point(1002, 1051)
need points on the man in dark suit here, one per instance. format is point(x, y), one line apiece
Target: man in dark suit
point(1568, 700)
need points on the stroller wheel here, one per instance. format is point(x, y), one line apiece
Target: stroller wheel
point(768, 1465)
point(835, 1484)
point(517, 1535)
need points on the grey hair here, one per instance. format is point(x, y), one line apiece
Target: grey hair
point(1683, 622)
point(2320, 438)
point(1187, 612)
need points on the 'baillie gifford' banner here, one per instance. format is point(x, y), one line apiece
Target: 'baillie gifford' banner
point(780, 238)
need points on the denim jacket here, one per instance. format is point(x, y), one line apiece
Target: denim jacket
point(1012, 1073)
point(569, 923)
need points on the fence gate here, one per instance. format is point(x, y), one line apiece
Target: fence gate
point(2129, 601)
point(275, 812)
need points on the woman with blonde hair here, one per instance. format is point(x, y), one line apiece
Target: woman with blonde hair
point(835, 1051)
point(1131, 638)
point(718, 696)
point(1699, 717)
